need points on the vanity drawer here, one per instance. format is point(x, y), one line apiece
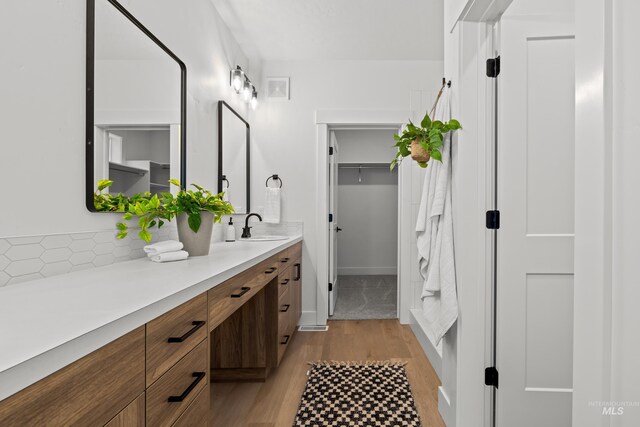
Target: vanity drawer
point(168, 397)
point(285, 258)
point(197, 414)
point(284, 281)
point(174, 334)
point(228, 296)
point(89, 392)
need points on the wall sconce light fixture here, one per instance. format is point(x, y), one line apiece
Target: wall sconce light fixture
point(241, 84)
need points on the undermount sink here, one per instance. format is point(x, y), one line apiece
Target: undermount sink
point(265, 238)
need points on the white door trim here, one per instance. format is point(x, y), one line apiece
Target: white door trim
point(327, 120)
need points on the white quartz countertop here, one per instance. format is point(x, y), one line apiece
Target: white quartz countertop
point(49, 323)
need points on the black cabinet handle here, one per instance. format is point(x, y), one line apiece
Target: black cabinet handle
point(286, 339)
point(199, 376)
point(271, 270)
point(243, 290)
point(283, 260)
point(285, 309)
point(284, 282)
point(197, 324)
point(298, 271)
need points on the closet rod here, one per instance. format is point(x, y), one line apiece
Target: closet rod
point(364, 167)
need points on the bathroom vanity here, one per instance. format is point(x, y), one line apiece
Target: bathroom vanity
point(137, 343)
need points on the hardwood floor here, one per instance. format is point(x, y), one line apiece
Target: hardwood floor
point(275, 402)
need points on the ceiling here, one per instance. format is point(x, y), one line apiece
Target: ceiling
point(336, 29)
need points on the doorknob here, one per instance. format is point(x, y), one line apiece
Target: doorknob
point(338, 229)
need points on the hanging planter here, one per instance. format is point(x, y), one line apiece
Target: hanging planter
point(423, 142)
point(418, 152)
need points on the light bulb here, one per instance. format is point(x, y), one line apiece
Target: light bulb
point(237, 78)
point(254, 99)
point(247, 90)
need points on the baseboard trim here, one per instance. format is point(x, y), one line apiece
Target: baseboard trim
point(445, 409)
point(367, 271)
point(419, 330)
point(308, 318)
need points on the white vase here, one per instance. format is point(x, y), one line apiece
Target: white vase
point(197, 244)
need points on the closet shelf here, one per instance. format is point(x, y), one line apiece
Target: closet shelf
point(159, 165)
point(127, 169)
point(364, 165)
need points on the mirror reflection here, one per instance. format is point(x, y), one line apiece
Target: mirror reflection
point(137, 107)
point(233, 155)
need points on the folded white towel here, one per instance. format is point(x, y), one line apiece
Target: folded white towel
point(271, 206)
point(169, 256)
point(162, 247)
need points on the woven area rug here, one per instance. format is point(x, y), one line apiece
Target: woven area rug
point(368, 394)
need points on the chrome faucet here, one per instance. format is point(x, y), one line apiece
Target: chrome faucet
point(246, 230)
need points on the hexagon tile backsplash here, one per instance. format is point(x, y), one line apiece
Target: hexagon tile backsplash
point(34, 257)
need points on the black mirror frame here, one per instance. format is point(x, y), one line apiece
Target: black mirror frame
point(90, 82)
point(221, 105)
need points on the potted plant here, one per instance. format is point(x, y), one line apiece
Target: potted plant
point(423, 142)
point(195, 210)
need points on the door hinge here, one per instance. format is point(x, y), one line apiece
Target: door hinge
point(330, 217)
point(493, 220)
point(493, 67)
point(331, 151)
point(491, 376)
point(330, 287)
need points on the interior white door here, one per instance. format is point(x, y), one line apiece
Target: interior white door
point(536, 201)
point(333, 223)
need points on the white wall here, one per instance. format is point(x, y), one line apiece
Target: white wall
point(606, 315)
point(366, 145)
point(42, 111)
point(285, 131)
point(368, 217)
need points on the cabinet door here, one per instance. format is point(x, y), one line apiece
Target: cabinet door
point(89, 392)
point(296, 294)
point(131, 416)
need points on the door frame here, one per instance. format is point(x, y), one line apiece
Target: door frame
point(326, 121)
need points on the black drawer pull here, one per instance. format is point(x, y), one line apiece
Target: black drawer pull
point(286, 339)
point(285, 309)
point(271, 270)
point(197, 324)
point(284, 282)
point(199, 376)
point(283, 260)
point(243, 290)
point(298, 271)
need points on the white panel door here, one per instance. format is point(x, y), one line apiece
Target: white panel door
point(536, 199)
point(333, 225)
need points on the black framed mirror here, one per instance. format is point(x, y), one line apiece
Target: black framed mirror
point(234, 160)
point(136, 109)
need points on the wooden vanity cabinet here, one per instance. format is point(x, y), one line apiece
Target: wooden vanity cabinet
point(159, 374)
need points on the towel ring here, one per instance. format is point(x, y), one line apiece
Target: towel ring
point(275, 178)
point(224, 179)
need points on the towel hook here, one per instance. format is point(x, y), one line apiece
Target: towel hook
point(224, 179)
point(359, 174)
point(275, 177)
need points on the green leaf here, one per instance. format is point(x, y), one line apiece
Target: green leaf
point(422, 164)
point(437, 155)
point(393, 164)
point(122, 235)
point(104, 183)
point(194, 221)
point(160, 224)
point(145, 235)
point(174, 182)
point(121, 226)
point(127, 216)
point(454, 124)
point(426, 121)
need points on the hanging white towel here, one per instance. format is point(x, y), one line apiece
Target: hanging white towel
point(271, 206)
point(169, 256)
point(162, 247)
point(435, 237)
